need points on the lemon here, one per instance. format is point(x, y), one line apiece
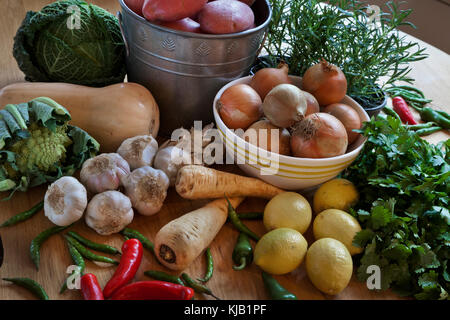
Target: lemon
point(287, 210)
point(335, 194)
point(280, 251)
point(339, 225)
point(329, 265)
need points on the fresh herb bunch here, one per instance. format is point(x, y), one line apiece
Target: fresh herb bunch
point(371, 55)
point(404, 186)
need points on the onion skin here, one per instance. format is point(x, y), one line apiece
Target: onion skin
point(319, 135)
point(266, 79)
point(312, 104)
point(349, 118)
point(240, 106)
point(326, 82)
point(285, 105)
point(281, 146)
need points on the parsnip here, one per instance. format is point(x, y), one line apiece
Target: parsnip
point(198, 182)
point(182, 240)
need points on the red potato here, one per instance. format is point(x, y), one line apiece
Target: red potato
point(171, 10)
point(186, 24)
point(135, 6)
point(226, 16)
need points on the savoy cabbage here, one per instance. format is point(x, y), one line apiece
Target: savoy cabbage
point(71, 41)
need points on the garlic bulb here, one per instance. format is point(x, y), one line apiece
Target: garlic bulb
point(109, 212)
point(147, 189)
point(138, 151)
point(104, 172)
point(65, 201)
point(170, 159)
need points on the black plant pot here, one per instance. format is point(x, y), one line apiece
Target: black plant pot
point(373, 105)
point(374, 111)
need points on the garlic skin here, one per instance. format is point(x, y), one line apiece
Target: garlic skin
point(138, 151)
point(147, 189)
point(104, 172)
point(171, 159)
point(65, 201)
point(109, 212)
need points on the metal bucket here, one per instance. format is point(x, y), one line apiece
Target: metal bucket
point(183, 70)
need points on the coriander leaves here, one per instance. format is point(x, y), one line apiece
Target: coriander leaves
point(404, 185)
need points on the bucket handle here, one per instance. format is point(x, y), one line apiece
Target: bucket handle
point(119, 17)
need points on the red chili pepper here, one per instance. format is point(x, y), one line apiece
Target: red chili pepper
point(90, 288)
point(129, 264)
point(153, 290)
point(402, 109)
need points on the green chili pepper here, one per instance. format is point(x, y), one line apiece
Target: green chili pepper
point(243, 252)
point(77, 258)
point(23, 215)
point(420, 126)
point(429, 115)
point(89, 254)
point(37, 242)
point(93, 245)
point(238, 223)
point(30, 285)
point(198, 287)
point(209, 266)
point(428, 131)
point(391, 112)
point(134, 234)
point(443, 113)
point(407, 88)
point(160, 275)
point(276, 291)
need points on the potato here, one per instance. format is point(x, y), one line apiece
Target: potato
point(225, 16)
point(186, 24)
point(135, 5)
point(171, 10)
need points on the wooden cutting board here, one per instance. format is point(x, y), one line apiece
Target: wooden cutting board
point(432, 76)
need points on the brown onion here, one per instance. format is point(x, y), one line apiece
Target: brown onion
point(311, 103)
point(266, 79)
point(280, 145)
point(240, 106)
point(326, 82)
point(284, 105)
point(348, 116)
point(319, 135)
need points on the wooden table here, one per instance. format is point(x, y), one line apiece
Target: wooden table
point(432, 75)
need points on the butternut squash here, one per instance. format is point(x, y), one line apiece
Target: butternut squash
point(110, 114)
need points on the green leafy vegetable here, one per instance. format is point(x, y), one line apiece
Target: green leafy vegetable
point(404, 186)
point(71, 41)
point(345, 33)
point(37, 145)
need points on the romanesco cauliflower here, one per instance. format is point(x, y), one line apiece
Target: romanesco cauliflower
point(37, 144)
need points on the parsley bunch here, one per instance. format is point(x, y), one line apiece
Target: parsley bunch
point(404, 186)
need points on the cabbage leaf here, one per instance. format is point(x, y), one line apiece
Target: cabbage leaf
point(71, 41)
